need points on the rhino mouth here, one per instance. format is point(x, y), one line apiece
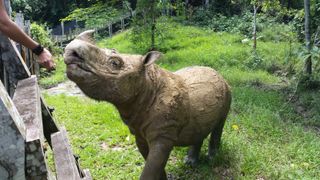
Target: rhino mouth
point(75, 60)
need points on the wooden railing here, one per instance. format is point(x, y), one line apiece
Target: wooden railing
point(112, 27)
point(26, 122)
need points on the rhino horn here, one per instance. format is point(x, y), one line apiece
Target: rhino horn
point(87, 36)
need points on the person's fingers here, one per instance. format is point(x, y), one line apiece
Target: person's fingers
point(51, 65)
point(47, 65)
point(45, 59)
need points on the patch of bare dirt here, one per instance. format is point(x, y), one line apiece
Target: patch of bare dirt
point(68, 88)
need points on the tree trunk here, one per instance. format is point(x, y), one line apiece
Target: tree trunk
point(255, 27)
point(186, 8)
point(308, 62)
point(153, 29)
point(289, 4)
point(207, 3)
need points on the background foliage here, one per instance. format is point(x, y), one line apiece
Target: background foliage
point(96, 15)
point(272, 131)
point(41, 35)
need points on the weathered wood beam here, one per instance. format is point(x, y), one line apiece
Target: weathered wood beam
point(12, 138)
point(65, 162)
point(27, 101)
point(17, 70)
point(87, 174)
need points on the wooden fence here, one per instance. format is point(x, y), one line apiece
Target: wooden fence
point(111, 28)
point(26, 121)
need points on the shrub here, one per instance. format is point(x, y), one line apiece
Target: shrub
point(140, 34)
point(42, 36)
point(241, 24)
point(278, 33)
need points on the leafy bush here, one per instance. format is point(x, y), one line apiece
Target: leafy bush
point(39, 34)
point(140, 34)
point(278, 33)
point(234, 24)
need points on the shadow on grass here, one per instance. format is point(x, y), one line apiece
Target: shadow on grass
point(223, 166)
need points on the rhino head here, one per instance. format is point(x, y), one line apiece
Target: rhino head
point(105, 74)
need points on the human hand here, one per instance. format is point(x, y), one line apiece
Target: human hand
point(45, 59)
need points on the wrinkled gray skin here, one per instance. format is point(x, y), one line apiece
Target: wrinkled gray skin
point(162, 109)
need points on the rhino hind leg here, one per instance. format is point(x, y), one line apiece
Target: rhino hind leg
point(193, 154)
point(215, 139)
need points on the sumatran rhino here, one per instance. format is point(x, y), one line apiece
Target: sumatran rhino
point(162, 109)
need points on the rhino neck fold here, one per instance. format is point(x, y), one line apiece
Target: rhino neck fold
point(133, 110)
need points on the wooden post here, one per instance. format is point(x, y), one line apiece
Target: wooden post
point(207, 3)
point(62, 33)
point(19, 20)
point(12, 137)
point(110, 30)
point(66, 164)
point(31, 61)
point(70, 34)
point(13, 62)
point(122, 24)
point(8, 7)
point(27, 101)
point(62, 28)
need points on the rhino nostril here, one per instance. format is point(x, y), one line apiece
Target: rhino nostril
point(75, 54)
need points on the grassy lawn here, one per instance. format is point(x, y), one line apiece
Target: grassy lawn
point(263, 137)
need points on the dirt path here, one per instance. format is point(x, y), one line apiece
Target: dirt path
point(68, 88)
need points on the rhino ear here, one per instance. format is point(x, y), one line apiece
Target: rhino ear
point(151, 57)
point(87, 36)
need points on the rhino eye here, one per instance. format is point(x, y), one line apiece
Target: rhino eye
point(115, 63)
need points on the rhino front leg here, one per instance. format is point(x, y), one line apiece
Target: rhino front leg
point(143, 147)
point(158, 155)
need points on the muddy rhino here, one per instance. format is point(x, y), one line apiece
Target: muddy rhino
point(162, 109)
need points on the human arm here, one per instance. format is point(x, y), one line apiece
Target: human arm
point(10, 29)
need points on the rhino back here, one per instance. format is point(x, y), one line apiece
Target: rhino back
point(209, 100)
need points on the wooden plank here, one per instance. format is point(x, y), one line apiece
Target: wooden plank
point(19, 20)
point(8, 7)
point(12, 137)
point(87, 175)
point(110, 30)
point(27, 101)
point(65, 162)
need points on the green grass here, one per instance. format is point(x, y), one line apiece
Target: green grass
point(266, 144)
point(186, 45)
point(263, 137)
